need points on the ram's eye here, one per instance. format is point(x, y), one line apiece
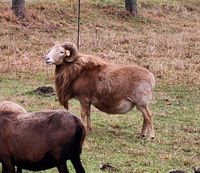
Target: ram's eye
point(62, 52)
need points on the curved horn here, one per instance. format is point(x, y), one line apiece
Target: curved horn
point(72, 49)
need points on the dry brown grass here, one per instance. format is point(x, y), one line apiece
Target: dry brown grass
point(165, 38)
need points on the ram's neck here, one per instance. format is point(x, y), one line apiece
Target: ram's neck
point(64, 76)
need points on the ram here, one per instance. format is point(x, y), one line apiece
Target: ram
point(111, 88)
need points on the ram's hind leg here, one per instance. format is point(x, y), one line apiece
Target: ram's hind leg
point(144, 129)
point(147, 128)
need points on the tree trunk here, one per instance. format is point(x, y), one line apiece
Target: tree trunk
point(18, 6)
point(131, 5)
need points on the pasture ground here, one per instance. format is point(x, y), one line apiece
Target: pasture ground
point(165, 38)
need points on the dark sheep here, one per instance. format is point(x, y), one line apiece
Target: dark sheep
point(41, 140)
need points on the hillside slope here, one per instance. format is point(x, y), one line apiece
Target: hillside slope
point(165, 37)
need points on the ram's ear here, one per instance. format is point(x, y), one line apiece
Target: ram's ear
point(68, 56)
point(67, 53)
point(71, 51)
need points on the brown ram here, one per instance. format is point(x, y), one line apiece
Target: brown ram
point(111, 88)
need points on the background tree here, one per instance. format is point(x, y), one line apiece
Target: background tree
point(131, 5)
point(18, 6)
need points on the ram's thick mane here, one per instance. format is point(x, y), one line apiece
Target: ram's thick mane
point(67, 72)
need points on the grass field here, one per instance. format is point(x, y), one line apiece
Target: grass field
point(165, 38)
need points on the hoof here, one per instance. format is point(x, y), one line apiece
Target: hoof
point(148, 138)
point(141, 136)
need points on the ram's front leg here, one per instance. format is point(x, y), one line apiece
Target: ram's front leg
point(85, 114)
